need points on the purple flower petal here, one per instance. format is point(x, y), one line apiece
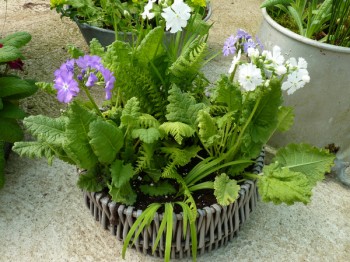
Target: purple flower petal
point(86, 61)
point(241, 34)
point(66, 86)
point(92, 79)
point(229, 46)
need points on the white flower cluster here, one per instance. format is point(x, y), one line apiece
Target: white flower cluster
point(267, 65)
point(176, 15)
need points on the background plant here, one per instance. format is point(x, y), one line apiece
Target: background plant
point(12, 89)
point(311, 19)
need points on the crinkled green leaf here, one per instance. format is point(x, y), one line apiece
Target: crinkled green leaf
point(47, 87)
point(17, 39)
point(50, 130)
point(178, 130)
point(148, 135)
point(131, 112)
point(77, 144)
point(225, 189)
point(96, 48)
point(285, 118)
point(2, 164)
point(34, 149)
point(150, 46)
point(311, 161)
point(121, 173)
point(89, 181)
point(281, 185)
point(159, 189)
point(106, 139)
point(75, 52)
point(123, 194)
point(228, 94)
point(182, 107)
point(208, 131)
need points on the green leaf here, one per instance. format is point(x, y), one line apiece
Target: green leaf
point(306, 159)
point(143, 220)
point(89, 181)
point(228, 94)
point(10, 131)
point(182, 107)
point(124, 194)
point(17, 39)
point(50, 130)
point(75, 52)
point(96, 48)
point(16, 88)
point(178, 130)
point(121, 174)
point(106, 140)
point(9, 53)
point(285, 118)
point(77, 144)
point(159, 189)
point(208, 131)
point(35, 149)
point(281, 185)
point(148, 135)
point(46, 87)
point(10, 110)
point(150, 46)
point(225, 189)
point(131, 112)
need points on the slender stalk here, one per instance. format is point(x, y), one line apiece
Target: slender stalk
point(98, 111)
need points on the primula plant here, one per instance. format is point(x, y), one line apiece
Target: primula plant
point(133, 15)
point(165, 133)
point(12, 89)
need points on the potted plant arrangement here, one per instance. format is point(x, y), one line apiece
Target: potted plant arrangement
point(12, 89)
point(320, 32)
point(170, 164)
point(124, 19)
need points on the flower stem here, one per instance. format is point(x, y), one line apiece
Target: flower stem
point(98, 111)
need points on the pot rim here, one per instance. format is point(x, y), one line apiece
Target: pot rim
point(300, 38)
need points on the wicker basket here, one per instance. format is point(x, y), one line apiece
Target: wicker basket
point(216, 225)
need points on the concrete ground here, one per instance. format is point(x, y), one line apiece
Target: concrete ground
point(42, 216)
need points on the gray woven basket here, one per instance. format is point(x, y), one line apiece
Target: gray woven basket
point(216, 225)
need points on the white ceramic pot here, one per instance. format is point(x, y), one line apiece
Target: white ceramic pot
point(322, 107)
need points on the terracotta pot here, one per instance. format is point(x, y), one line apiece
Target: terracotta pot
point(216, 225)
point(322, 107)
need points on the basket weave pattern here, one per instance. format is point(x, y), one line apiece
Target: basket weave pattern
point(216, 225)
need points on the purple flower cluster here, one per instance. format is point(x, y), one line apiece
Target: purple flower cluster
point(242, 40)
point(67, 85)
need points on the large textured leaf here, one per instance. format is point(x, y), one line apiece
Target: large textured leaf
point(121, 174)
point(17, 39)
point(131, 112)
point(9, 53)
point(16, 88)
point(182, 107)
point(228, 94)
point(306, 159)
point(264, 122)
point(178, 130)
point(89, 181)
point(150, 46)
point(281, 185)
point(285, 118)
point(2, 164)
point(10, 131)
point(77, 144)
point(148, 135)
point(106, 139)
point(225, 189)
point(34, 149)
point(51, 130)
